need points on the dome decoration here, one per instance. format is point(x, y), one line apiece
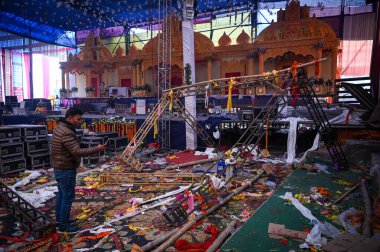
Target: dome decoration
point(132, 50)
point(225, 40)
point(243, 38)
point(119, 51)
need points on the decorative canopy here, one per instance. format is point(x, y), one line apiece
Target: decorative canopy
point(54, 21)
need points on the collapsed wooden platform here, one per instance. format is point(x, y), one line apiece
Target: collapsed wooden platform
point(117, 178)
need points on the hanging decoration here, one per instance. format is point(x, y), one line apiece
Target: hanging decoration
point(231, 85)
point(155, 129)
point(187, 70)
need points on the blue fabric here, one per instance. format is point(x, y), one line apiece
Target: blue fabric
point(65, 196)
point(46, 20)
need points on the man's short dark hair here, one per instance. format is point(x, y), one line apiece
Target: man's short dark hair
point(72, 112)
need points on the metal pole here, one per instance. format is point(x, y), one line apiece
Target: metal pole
point(31, 68)
point(375, 65)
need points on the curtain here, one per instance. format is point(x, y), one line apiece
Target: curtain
point(45, 73)
point(26, 58)
point(357, 44)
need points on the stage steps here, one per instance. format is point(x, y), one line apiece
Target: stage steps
point(328, 135)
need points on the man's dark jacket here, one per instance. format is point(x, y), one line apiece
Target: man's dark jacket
point(65, 147)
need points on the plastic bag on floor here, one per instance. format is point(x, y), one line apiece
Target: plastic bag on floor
point(345, 223)
point(329, 230)
point(160, 161)
point(315, 236)
point(321, 168)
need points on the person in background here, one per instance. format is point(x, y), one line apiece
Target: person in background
point(41, 106)
point(111, 106)
point(66, 153)
point(102, 89)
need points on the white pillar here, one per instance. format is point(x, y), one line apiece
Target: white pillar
point(188, 58)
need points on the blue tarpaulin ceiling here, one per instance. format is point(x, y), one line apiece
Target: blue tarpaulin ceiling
point(49, 20)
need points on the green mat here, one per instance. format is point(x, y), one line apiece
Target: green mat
point(253, 235)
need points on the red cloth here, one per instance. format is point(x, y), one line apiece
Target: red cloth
point(182, 245)
point(184, 157)
point(295, 91)
point(54, 237)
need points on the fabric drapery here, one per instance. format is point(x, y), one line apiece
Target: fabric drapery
point(357, 44)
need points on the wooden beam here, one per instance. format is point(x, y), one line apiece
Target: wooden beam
point(367, 227)
point(226, 232)
point(220, 203)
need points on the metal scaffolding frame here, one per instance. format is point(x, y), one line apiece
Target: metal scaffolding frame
point(164, 67)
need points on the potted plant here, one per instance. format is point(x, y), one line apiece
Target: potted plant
point(74, 91)
point(89, 91)
point(63, 92)
point(138, 91)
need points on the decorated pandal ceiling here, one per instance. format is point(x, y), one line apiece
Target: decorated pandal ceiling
point(295, 37)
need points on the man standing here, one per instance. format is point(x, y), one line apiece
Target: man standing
point(66, 153)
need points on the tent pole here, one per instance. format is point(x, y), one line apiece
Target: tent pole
point(31, 68)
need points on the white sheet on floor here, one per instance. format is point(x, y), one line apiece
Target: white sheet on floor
point(32, 175)
point(314, 237)
point(38, 197)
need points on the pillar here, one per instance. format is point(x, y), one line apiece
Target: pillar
point(319, 56)
point(250, 67)
point(88, 78)
point(134, 83)
point(209, 69)
point(261, 63)
point(334, 66)
point(142, 73)
point(138, 77)
point(188, 58)
point(63, 79)
point(67, 80)
point(106, 77)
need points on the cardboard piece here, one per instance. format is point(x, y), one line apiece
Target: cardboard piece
point(278, 231)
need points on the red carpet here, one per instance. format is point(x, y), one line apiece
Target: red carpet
point(184, 157)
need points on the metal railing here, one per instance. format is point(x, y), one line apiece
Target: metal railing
point(344, 97)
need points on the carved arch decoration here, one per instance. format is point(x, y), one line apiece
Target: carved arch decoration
point(275, 52)
point(233, 66)
point(203, 46)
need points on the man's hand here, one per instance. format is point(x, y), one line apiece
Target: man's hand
point(101, 147)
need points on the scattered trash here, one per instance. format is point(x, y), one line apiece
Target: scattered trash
point(270, 184)
point(343, 218)
point(160, 161)
point(321, 168)
point(278, 231)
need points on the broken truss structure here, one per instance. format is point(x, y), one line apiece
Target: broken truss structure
point(294, 77)
point(171, 99)
point(36, 222)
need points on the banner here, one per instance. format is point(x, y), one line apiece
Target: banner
point(17, 80)
point(188, 58)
